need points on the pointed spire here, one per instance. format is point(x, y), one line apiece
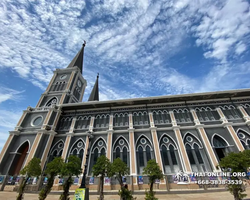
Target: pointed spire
point(78, 59)
point(94, 96)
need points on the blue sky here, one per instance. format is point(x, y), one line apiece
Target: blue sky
point(140, 48)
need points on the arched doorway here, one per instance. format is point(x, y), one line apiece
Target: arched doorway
point(19, 159)
point(219, 146)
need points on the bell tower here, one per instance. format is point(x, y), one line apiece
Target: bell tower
point(35, 131)
point(67, 85)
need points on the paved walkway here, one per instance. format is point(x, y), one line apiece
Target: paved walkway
point(194, 196)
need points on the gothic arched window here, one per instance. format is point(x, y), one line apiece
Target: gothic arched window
point(103, 152)
point(161, 117)
point(56, 150)
point(59, 86)
point(125, 155)
point(230, 112)
point(207, 114)
point(120, 149)
point(140, 155)
point(65, 123)
point(98, 148)
point(74, 152)
point(95, 156)
point(77, 148)
point(196, 153)
point(148, 153)
point(140, 118)
point(219, 142)
point(120, 119)
point(182, 116)
point(220, 146)
point(144, 152)
point(82, 122)
point(172, 154)
point(164, 155)
point(80, 154)
point(51, 102)
point(169, 155)
point(77, 92)
point(101, 121)
point(190, 154)
point(117, 152)
point(246, 108)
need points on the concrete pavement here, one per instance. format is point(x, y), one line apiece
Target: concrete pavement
point(225, 195)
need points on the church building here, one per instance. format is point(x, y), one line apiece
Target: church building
point(188, 132)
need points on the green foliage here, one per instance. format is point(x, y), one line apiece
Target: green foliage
point(33, 168)
point(237, 162)
point(53, 168)
point(72, 167)
point(126, 194)
point(150, 195)
point(102, 168)
point(119, 169)
point(153, 171)
point(69, 169)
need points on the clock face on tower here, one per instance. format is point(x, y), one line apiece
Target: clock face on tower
point(63, 76)
point(79, 83)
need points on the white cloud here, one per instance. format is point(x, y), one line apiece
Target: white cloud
point(222, 25)
point(9, 94)
point(140, 36)
point(240, 48)
point(8, 118)
point(8, 121)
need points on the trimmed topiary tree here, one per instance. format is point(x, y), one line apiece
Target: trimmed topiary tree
point(102, 168)
point(120, 169)
point(69, 169)
point(236, 162)
point(33, 168)
point(153, 171)
point(52, 170)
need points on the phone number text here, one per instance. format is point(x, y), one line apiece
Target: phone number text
point(219, 182)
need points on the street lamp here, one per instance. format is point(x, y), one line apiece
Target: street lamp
point(83, 183)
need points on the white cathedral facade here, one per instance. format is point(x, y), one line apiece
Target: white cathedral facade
point(190, 132)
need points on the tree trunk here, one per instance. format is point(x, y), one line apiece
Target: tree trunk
point(45, 191)
point(119, 177)
point(66, 186)
point(151, 186)
point(236, 194)
point(101, 188)
point(21, 188)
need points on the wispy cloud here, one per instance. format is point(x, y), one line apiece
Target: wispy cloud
point(9, 117)
point(9, 94)
point(223, 28)
point(8, 120)
point(129, 43)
